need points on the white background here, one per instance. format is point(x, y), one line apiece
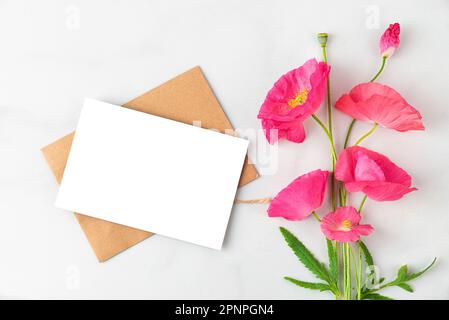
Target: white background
point(50, 60)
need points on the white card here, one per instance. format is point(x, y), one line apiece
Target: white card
point(152, 173)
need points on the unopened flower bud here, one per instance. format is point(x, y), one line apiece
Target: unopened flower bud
point(390, 40)
point(322, 38)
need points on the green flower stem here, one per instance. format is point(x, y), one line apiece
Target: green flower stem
point(322, 38)
point(316, 216)
point(343, 255)
point(344, 270)
point(359, 287)
point(382, 66)
point(348, 134)
point(330, 127)
point(334, 157)
point(366, 134)
point(355, 265)
point(333, 185)
point(358, 274)
point(347, 272)
point(334, 154)
point(329, 105)
point(342, 194)
point(362, 203)
point(337, 251)
point(359, 282)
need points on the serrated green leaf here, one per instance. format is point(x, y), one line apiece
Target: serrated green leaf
point(368, 260)
point(305, 256)
point(333, 260)
point(368, 257)
point(376, 296)
point(417, 274)
point(405, 286)
point(402, 273)
point(309, 285)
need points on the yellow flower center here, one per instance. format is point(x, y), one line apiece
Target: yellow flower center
point(346, 225)
point(300, 99)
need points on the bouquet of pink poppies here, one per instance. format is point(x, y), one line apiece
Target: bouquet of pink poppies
point(294, 98)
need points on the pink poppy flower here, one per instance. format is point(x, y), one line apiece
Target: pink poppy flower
point(343, 225)
point(381, 104)
point(373, 174)
point(277, 130)
point(293, 98)
point(389, 41)
point(300, 197)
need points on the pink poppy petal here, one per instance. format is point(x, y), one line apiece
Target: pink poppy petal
point(347, 213)
point(293, 131)
point(364, 229)
point(386, 191)
point(300, 197)
point(367, 169)
point(344, 168)
point(372, 173)
point(391, 171)
point(348, 105)
point(296, 133)
point(342, 236)
point(355, 186)
point(381, 104)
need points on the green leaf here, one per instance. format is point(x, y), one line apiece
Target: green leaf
point(381, 280)
point(309, 285)
point(369, 261)
point(368, 257)
point(417, 274)
point(401, 280)
point(333, 260)
point(402, 273)
point(405, 286)
point(376, 296)
point(305, 256)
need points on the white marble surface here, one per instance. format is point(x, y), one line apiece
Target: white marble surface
point(50, 60)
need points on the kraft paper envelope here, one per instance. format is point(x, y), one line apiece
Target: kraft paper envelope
point(186, 98)
point(152, 173)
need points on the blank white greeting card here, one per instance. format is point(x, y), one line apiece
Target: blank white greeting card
point(152, 173)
